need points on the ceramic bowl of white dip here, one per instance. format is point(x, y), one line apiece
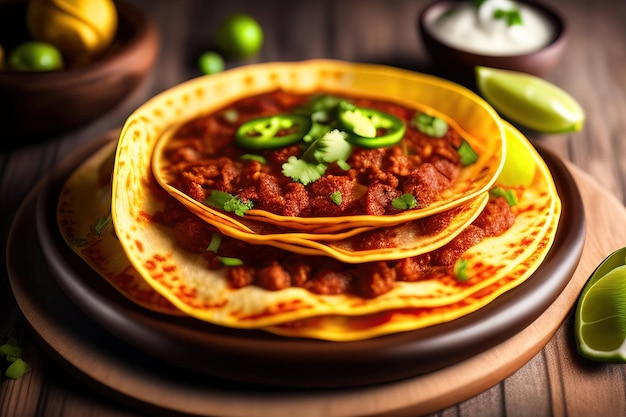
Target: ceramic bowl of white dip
point(518, 35)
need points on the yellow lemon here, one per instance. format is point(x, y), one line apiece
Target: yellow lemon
point(81, 29)
point(519, 162)
point(530, 101)
point(600, 320)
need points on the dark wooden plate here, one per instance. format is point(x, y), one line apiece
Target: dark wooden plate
point(264, 359)
point(126, 373)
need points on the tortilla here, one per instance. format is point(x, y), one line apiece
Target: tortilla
point(472, 180)
point(339, 328)
point(84, 220)
point(503, 262)
point(404, 240)
point(465, 112)
point(184, 279)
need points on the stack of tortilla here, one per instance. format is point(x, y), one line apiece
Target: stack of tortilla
point(105, 212)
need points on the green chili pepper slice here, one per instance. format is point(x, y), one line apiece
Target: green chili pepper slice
point(273, 131)
point(362, 126)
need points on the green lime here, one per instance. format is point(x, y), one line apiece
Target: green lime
point(600, 319)
point(239, 36)
point(519, 162)
point(211, 62)
point(35, 56)
point(530, 101)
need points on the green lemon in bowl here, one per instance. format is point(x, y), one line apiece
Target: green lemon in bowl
point(600, 319)
point(35, 56)
point(530, 101)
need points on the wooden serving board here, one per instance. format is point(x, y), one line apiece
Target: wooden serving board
point(149, 385)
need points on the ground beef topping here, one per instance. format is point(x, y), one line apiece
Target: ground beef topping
point(275, 269)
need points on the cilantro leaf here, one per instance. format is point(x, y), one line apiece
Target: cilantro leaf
point(336, 198)
point(11, 352)
point(227, 202)
point(10, 349)
point(467, 154)
point(509, 195)
point(252, 157)
point(321, 107)
point(404, 202)
point(101, 224)
point(460, 269)
point(512, 17)
point(214, 245)
point(303, 171)
point(16, 369)
point(227, 261)
point(333, 147)
point(431, 125)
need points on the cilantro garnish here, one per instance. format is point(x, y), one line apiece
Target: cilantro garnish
point(431, 125)
point(227, 202)
point(460, 269)
point(404, 202)
point(336, 198)
point(214, 245)
point(467, 154)
point(11, 352)
point(331, 147)
point(509, 195)
point(512, 17)
point(303, 171)
point(98, 228)
point(101, 224)
point(253, 157)
point(320, 108)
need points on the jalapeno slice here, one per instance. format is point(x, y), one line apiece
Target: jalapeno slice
point(273, 131)
point(362, 125)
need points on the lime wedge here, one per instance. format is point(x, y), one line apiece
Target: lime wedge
point(530, 101)
point(519, 161)
point(600, 320)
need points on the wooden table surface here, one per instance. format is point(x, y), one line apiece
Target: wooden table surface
point(555, 381)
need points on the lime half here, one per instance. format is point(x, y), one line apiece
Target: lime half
point(519, 161)
point(530, 101)
point(600, 320)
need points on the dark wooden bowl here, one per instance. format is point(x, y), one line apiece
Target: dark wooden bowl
point(459, 65)
point(41, 105)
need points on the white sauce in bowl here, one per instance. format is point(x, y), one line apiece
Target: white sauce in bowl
point(476, 30)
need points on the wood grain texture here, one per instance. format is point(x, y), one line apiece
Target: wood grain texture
point(555, 381)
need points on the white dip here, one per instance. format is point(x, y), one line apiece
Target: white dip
point(476, 29)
